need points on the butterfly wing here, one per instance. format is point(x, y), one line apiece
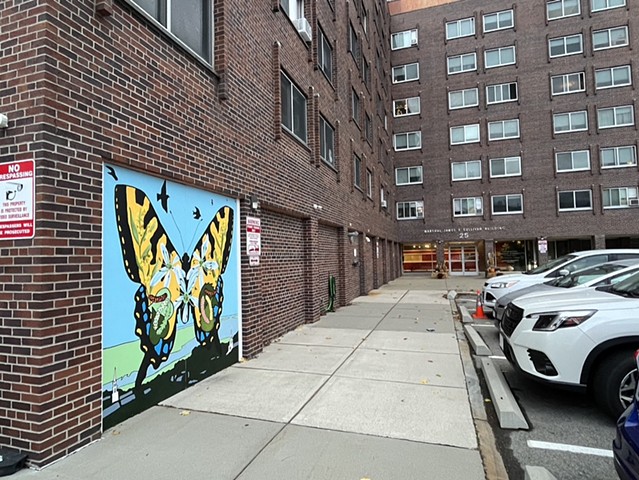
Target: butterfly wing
point(208, 263)
point(151, 261)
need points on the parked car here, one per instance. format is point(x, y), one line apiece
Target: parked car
point(579, 339)
point(499, 286)
point(607, 273)
point(625, 446)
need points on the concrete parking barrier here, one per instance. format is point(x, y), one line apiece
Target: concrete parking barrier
point(476, 342)
point(508, 412)
point(538, 473)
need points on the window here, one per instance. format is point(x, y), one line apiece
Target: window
point(470, 170)
point(462, 63)
point(408, 210)
point(407, 141)
point(498, 21)
point(368, 128)
point(616, 117)
point(353, 45)
point(503, 129)
point(460, 28)
point(562, 8)
point(406, 73)
point(366, 73)
point(613, 157)
point(503, 92)
point(499, 57)
point(293, 8)
point(407, 106)
point(357, 171)
point(408, 176)
point(464, 134)
point(369, 184)
point(293, 108)
point(190, 21)
point(505, 167)
point(570, 122)
point(575, 200)
point(327, 141)
point(507, 204)
point(568, 83)
point(572, 161)
point(403, 39)
point(610, 38)
point(468, 97)
point(606, 4)
point(468, 207)
point(325, 56)
point(355, 106)
point(619, 197)
point(569, 45)
point(613, 77)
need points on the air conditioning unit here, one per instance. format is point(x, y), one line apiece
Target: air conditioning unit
point(384, 204)
point(304, 29)
point(633, 202)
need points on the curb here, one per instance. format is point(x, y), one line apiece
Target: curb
point(508, 412)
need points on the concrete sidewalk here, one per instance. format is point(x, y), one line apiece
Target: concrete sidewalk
point(373, 391)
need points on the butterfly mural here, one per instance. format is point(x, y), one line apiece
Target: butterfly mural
point(172, 288)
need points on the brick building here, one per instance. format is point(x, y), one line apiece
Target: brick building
point(274, 114)
point(522, 117)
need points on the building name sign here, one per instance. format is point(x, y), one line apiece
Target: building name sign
point(464, 229)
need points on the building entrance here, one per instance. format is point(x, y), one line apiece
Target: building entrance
point(462, 259)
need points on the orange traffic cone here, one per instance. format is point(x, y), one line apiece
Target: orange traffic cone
point(479, 311)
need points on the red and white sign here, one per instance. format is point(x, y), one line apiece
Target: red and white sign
point(17, 200)
point(253, 237)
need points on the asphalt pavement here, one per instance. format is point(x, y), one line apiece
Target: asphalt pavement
point(381, 389)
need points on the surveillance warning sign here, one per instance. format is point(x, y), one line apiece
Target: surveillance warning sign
point(17, 200)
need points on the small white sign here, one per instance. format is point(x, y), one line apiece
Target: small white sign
point(253, 237)
point(17, 200)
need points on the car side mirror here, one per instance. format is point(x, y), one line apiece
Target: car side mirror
point(604, 288)
point(563, 272)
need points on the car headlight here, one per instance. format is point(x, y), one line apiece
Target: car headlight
point(551, 321)
point(503, 284)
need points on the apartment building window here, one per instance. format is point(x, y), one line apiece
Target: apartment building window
point(325, 56)
point(410, 210)
point(408, 176)
point(368, 128)
point(507, 204)
point(464, 134)
point(572, 161)
point(406, 73)
point(610, 38)
point(327, 141)
point(407, 141)
point(293, 108)
point(568, 45)
point(616, 117)
point(460, 28)
point(470, 170)
point(293, 8)
point(503, 129)
point(575, 200)
point(353, 45)
point(366, 73)
point(568, 83)
point(570, 122)
point(607, 4)
point(190, 21)
point(621, 197)
point(406, 106)
point(355, 106)
point(499, 57)
point(613, 77)
point(357, 171)
point(505, 167)
point(499, 21)
point(469, 97)
point(468, 207)
point(466, 62)
point(616, 157)
point(500, 93)
point(562, 8)
point(369, 184)
point(404, 39)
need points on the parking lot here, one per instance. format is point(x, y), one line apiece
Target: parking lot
point(568, 434)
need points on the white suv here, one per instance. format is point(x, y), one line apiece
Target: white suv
point(583, 338)
point(498, 286)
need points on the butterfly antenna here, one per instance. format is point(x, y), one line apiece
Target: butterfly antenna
point(194, 234)
point(179, 231)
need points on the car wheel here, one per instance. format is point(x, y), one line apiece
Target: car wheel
point(615, 381)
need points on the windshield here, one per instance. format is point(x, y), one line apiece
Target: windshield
point(550, 265)
point(628, 287)
point(582, 276)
